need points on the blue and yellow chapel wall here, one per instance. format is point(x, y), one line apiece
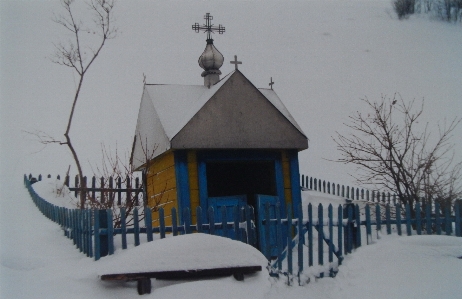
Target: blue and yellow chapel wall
point(174, 181)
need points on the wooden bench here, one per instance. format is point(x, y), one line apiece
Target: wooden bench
point(144, 279)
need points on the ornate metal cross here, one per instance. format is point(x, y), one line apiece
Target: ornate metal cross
point(271, 83)
point(235, 62)
point(208, 26)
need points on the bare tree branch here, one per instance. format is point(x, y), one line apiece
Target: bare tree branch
point(392, 151)
point(71, 55)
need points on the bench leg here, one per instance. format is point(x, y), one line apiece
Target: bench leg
point(144, 286)
point(239, 276)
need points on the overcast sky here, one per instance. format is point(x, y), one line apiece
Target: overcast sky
point(322, 61)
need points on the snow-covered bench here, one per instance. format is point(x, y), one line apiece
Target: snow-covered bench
point(188, 256)
point(143, 279)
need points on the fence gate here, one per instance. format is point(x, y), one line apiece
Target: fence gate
point(229, 202)
point(267, 243)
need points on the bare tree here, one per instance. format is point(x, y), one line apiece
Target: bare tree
point(79, 53)
point(393, 151)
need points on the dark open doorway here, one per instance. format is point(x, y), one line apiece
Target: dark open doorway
point(225, 178)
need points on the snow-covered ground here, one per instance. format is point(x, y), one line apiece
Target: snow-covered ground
point(37, 261)
point(323, 55)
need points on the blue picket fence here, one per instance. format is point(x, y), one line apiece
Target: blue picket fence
point(315, 237)
point(314, 243)
point(93, 233)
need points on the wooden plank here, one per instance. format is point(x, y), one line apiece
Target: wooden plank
point(358, 226)
point(110, 232)
point(408, 220)
point(447, 218)
point(428, 211)
point(123, 226)
point(368, 224)
point(289, 241)
point(97, 235)
point(331, 233)
point(378, 217)
point(387, 218)
point(187, 221)
point(438, 219)
point(279, 236)
point(136, 226)
point(418, 218)
point(236, 218)
point(162, 162)
point(183, 274)
point(310, 235)
point(301, 238)
point(211, 215)
point(398, 219)
point(162, 223)
point(457, 207)
point(174, 222)
point(320, 235)
point(148, 223)
point(340, 234)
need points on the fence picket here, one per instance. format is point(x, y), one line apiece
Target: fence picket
point(398, 219)
point(457, 210)
point(136, 226)
point(310, 235)
point(148, 223)
point(320, 236)
point(378, 217)
point(331, 234)
point(224, 222)
point(211, 221)
point(237, 231)
point(437, 218)
point(339, 232)
point(175, 220)
point(447, 216)
point(428, 219)
point(408, 220)
point(97, 235)
point(358, 226)
point(279, 236)
point(110, 232)
point(418, 218)
point(387, 218)
point(123, 226)
point(348, 231)
point(162, 223)
point(301, 238)
point(368, 224)
point(289, 241)
point(199, 224)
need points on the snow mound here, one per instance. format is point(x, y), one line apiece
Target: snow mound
point(55, 192)
point(186, 252)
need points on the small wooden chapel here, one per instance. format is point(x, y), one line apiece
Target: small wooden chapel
point(223, 143)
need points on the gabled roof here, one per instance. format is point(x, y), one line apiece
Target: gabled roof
point(194, 116)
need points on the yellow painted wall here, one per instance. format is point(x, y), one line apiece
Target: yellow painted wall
point(286, 176)
point(161, 186)
point(193, 184)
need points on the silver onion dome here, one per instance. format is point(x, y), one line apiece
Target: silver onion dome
point(211, 59)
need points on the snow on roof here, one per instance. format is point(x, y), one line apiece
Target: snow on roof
point(177, 104)
point(166, 109)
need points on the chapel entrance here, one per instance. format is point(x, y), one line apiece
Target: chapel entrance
point(249, 178)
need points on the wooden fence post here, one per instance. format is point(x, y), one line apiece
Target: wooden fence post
point(123, 226)
point(458, 214)
point(101, 240)
point(310, 235)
